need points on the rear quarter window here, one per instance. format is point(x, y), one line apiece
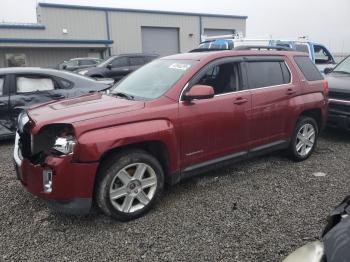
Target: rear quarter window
point(309, 70)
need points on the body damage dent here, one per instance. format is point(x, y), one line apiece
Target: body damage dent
point(94, 144)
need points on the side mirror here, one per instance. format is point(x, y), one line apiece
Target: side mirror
point(109, 66)
point(199, 92)
point(64, 67)
point(327, 70)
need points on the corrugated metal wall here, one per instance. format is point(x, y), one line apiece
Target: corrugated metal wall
point(43, 57)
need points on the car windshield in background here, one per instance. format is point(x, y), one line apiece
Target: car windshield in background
point(154, 79)
point(221, 44)
point(105, 62)
point(343, 67)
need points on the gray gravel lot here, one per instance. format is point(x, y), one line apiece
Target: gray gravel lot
point(258, 210)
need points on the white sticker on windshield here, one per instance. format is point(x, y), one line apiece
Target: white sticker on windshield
point(179, 66)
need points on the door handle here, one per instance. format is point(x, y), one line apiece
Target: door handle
point(290, 91)
point(240, 101)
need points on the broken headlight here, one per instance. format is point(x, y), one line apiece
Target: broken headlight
point(64, 145)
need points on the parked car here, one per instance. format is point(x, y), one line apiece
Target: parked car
point(335, 239)
point(119, 66)
point(118, 149)
point(78, 63)
point(339, 95)
point(317, 52)
point(22, 87)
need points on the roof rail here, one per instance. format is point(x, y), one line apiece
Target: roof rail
point(261, 47)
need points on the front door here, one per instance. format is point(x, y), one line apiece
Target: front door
point(216, 127)
point(119, 68)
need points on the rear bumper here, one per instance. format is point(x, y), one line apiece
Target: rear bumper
point(72, 183)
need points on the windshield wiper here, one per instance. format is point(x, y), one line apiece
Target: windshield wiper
point(121, 94)
point(341, 72)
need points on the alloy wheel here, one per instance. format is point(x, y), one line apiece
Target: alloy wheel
point(133, 187)
point(305, 139)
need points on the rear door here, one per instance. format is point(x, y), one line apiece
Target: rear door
point(270, 82)
point(6, 126)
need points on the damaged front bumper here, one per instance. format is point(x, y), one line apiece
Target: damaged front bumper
point(65, 184)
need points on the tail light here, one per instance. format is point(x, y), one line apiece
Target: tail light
point(325, 88)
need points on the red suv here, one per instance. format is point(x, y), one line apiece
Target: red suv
point(174, 117)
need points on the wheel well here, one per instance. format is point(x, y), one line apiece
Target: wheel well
point(155, 148)
point(315, 114)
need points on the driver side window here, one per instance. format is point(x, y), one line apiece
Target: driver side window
point(224, 78)
point(120, 62)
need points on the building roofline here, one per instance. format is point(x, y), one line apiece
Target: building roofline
point(54, 41)
point(22, 26)
point(96, 8)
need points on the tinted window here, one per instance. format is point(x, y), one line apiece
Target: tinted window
point(302, 48)
point(322, 56)
point(308, 69)
point(263, 74)
point(285, 72)
point(65, 84)
point(135, 61)
point(27, 84)
point(1, 86)
point(87, 62)
point(72, 63)
point(224, 78)
point(120, 62)
point(149, 58)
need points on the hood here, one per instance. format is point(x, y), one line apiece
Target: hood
point(339, 82)
point(81, 108)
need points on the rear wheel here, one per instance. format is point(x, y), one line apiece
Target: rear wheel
point(129, 184)
point(304, 139)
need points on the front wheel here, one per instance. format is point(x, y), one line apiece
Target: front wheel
point(304, 139)
point(129, 184)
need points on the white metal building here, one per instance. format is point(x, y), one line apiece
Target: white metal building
point(67, 31)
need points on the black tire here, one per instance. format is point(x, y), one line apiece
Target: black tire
point(292, 150)
point(107, 175)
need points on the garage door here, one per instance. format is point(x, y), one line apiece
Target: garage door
point(215, 32)
point(160, 40)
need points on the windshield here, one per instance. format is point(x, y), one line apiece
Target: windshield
point(105, 62)
point(154, 79)
point(221, 44)
point(343, 67)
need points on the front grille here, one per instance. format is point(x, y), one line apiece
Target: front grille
point(339, 95)
point(333, 107)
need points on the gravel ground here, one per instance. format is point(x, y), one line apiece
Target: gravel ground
point(258, 210)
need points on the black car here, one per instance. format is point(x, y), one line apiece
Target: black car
point(78, 63)
point(23, 87)
point(117, 67)
point(339, 95)
point(335, 239)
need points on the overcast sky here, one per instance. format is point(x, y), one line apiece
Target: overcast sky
point(323, 21)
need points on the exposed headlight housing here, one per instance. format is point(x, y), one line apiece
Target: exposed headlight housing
point(23, 119)
point(64, 145)
point(83, 72)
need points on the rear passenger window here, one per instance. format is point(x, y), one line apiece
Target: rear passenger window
point(308, 69)
point(1, 86)
point(33, 84)
point(135, 61)
point(269, 73)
